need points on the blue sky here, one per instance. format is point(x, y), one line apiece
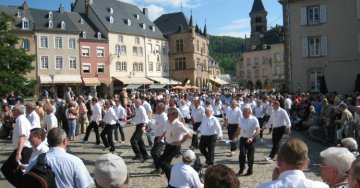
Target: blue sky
point(223, 17)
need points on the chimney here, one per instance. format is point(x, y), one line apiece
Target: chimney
point(146, 12)
point(61, 8)
point(24, 6)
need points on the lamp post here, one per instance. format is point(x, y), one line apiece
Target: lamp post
point(52, 84)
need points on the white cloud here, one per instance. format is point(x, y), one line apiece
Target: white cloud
point(237, 28)
point(175, 3)
point(155, 11)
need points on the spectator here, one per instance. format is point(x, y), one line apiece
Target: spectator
point(351, 145)
point(32, 116)
point(183, 175)
point(110, 171)
point(335, 163)
point(354, 174)
point(220, 176)
point(50, 120)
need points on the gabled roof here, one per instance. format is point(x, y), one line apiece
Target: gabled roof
point(84, 24)
point(121, 13)
point(12, 12)
point(257, 6)
point(169, 23)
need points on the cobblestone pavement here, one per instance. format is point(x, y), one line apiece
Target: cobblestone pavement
point(140, 172)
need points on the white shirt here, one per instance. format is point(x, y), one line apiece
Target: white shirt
point(141, 116)
point(147, 107)
point(259, 112)
point(160, 124)
point(210, 126)
point(22, 128)
point(234, 115)
point(293, 179)
point(198, 114)
point(279, 118)
point(217, 109)
point(184, 176)
point(248, 126)
point(269, 109)
point(287, 104)
point(50, 121)
point(175, 131)
point(34, 119)
point(96, 114)
point(185, 111)
point(110, 116)
point(120, 112)
point(36, 151)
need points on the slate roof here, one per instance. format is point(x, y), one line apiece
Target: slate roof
point(12, 12)
point(273, 36)
point(121, 13)
point(257, 6)
point(86, 25)
point(169, 23)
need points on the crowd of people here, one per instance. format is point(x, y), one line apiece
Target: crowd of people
point(168, 119)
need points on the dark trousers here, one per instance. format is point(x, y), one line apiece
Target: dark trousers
point(118, 126)
point(107, 136)
point(137, 142)
point(231, 133)
point(166, 158)
point(156, 151)
point(10, 167)
point(277, 134)
point(207, 147)
point(92, 125)
point(194, 140)
point(246, 150)
point(261, 124)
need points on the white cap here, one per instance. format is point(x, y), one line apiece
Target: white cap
point(189, 156)
point(110, 171)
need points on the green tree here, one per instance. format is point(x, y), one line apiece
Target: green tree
point(14, 62)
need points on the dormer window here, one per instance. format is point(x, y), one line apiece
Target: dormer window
point(153, 28)
point(99, 35)
point(51, 24)
point(50, 15)
point(18, 14)
point(129, 22)
point(84, 34)
point(111, 11)
point(82, 21)
point(111, 19)
point(25, 23)
point(144, 26)
point(137, 16)
point(63, 25)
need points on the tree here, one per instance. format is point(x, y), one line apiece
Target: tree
point(14, 63)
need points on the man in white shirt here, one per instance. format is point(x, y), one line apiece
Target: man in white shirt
point(159, 130)
point(37, 138)
point(287, 103)
point(210, 130)
point(248, 129)
point(121, 115)
point(183, 174)
point(95, 119)
point(110, 120)
point(280, 121)
point(233, 117)
point(21, 145)
point(291, 161)
point(148, 109)
point(197, 114)
point(32, 116)
point(50, 120)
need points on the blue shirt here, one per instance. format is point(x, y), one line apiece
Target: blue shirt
point(69, 170)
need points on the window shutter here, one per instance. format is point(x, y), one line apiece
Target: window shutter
point(358, 8)
point(358, 42)
point(322, 13)
point(303, 16)
point(305, 46)
point(323, 41)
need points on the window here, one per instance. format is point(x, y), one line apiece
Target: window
point(165, 67)
point(58, 62)
point(25, 23)
point(84, 34)
point(137, 40)
point(315, 79)
point(44, 60)
point(149, 48)
point(257, 73)
point(72, 43)
point(180, 63)
point(121, 66)
point(18, 14)
point(164, 50)
point(277, 57)
point(248, 61)
point(137, 67)
point(101, 68)
point(137, 16)
point(111, 11)
point(141, 67)
point(121, 50)
point(151, 66)
point(43, 42)
point(137, 51)
point(85, 51)
point(82, 21)
point(99, 35)
point(258, 19)
point(50, 15)
point(248, 73)
point(111, 19)
point(256, 60)
point(241, 65)
point(157, 49)
point(63, 25)
point(26, 44)
point(313, 15)
point(100, 52)
point(72, 62)
point(120, 39)
point(277, 70)
point(128, 22)
point(197, 46)
point(241, 74)
point(143, 26)
point(179, 45)
point(314, 46)
point(58, 42)
point(158, 67)
point(86, 68)
point(51, 25)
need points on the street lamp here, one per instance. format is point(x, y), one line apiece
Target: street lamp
point(52, 84)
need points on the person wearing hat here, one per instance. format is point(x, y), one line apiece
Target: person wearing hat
point(292, 160)
point(183, 174)
point(110, 172)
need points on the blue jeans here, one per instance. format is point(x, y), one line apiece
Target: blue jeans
point(72, 127)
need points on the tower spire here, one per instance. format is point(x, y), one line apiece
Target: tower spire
point(191, 23)
point(205, 29)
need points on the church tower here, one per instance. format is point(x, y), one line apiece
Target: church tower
point(258, 21)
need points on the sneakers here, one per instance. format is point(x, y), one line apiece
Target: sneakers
point(269, 159)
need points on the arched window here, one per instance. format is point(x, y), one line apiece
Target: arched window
point(50, 15)
point(51, 25)
point(63, 25)
point(25, 23)
point(111, 19)
point(84, 34)
point(99, 35)
point(128, 22)
point(144, 26)
point(111, 11)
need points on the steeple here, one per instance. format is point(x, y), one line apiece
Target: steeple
point(191, 24)
point(205, 33)
point(257, 7)
point(258, 17)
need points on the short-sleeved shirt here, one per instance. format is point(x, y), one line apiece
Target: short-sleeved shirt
point(175, 131)
point(22, 128)
point(248, 126)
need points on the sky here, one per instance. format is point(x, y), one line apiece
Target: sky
point(222, 17)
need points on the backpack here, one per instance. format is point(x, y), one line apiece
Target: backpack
point(40, 176)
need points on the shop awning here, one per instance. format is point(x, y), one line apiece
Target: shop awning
point(164, 80)
point(157, 86)
point(134, 80)
point(132, 86)
point(219, 81)
point(91, 81)
point(60, 79)
point(104, 80)
point(45, 79)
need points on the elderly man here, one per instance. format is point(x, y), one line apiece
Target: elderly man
point(21, 145)
point(354, 174)
point(291, 161)
point(69, 170)
point(351, 145)
point(233, 116)
point(183, 175)
point(335, 163)
point(50, 120)
point(344, 121)
point(32, 116)
point(95, 120)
